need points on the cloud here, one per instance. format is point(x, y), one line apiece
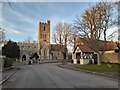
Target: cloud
point(10, 28)
point(55, 20)
point(12, 31)
point(60, 0)
point(113, 31)
point(20, 16)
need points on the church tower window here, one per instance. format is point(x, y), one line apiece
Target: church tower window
point(45, 35)
point(44, 28)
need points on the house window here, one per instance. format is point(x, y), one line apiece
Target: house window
point(84, 55)
point(91, 56)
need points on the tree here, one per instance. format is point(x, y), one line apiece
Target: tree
point(67, 28)
point(29, 39)
point(11, 50)
point(58, 33)
point(61, 35)
point(115, 22)
point(7, 3)
point(93, 25)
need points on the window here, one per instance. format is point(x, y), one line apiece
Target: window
point(44, 28)
point(45, 35)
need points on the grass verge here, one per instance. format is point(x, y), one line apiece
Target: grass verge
point(110, 69)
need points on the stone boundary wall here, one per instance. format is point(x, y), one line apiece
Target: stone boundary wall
point(111, 57)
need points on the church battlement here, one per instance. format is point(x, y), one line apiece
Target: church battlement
point(47, 22)
point(26, 43)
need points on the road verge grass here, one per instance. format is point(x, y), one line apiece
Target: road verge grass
point(110, 69)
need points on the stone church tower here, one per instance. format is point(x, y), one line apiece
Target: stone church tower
point(44, 39)
point(47, 51)
point(44, 32)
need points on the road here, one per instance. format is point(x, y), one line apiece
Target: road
point(51, 76)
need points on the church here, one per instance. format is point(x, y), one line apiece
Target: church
point(43, 47)
point(47, 50)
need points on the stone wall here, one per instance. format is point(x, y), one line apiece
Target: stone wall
point(110, 56)
point(27, 49)
point(57, 55)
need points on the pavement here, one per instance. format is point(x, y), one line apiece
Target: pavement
point(7, 73)
point(49, 75)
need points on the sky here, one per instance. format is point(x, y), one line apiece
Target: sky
point(21, 19)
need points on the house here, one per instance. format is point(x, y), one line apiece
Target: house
point(82, 54)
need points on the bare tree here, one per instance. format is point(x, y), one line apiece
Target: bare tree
point(29, 39)
point(58, 33)
point(67, 28)
point(7, 3)
point(61, 35)
point(93, 25)
point(115, 21)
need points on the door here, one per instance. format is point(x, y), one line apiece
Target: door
point(78, 56)
point(95, 58)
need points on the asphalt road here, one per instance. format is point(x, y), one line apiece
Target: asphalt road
point(51, 76)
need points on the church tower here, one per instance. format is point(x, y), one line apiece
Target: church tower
point(44, 32)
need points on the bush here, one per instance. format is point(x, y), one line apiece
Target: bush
point(8, 62)
point(11, 50)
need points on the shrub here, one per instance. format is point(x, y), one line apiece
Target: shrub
point(8, 62)
point(11, 50)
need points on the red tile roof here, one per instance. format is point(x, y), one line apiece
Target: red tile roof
point(102, 45)
point(83, 48)
point(57, 47)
